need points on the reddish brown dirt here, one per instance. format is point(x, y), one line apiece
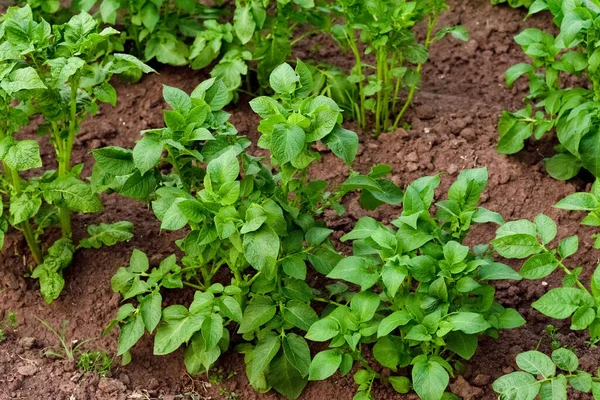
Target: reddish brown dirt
point(453, 126)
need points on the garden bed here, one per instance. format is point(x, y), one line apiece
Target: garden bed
point(452, 127)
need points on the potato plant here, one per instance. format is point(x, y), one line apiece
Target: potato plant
point(53, 71)
point(386, 29)
point(528, 240)
point(257, 224)
point(554, 102)
point(547, 377)
point(424, 297)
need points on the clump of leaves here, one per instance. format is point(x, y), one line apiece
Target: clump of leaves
point(97, 361)
point(514, 3)
point(572, 111)
point(548, 378)
point(60, 72)
point(386, 28)
point(424, 298)
point(528, 240)
point(588, 202)
point(257, 226)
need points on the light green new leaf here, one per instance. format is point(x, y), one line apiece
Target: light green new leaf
point(430, 379)
point(324, 365)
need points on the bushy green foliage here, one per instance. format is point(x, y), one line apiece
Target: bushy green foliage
point(424, 297)
point(258, 223)
point(61, 73)
point(548, 378)
point(528, 240)
point(386, 30)
point(514, 3)
point(552, 102)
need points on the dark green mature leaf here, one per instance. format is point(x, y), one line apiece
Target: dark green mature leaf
point(260, 311)
point(264, 352)
point(297, 353)
point(285, 378)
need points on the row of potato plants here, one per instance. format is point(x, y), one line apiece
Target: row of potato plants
point(418, 295)
point(557, 102)
point(261, 34)
point(424, 298)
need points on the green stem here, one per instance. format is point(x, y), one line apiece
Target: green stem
point(193, 285)
point(33, 245)
point(361, 88)
point(322, 300)
point(64, 149)
point(428, 40)
point(378, 112)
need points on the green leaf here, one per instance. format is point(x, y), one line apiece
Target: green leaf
point(23, 155)
point(261, 249)
point(107, 234)
point(517, 386)
point(468, 322)
point(264, 352)
point(546, 228)
point(114, 160)
point(299, 314)
point(559, 303)
point(212, 330)
point(295, 267)
point(565, 359)
point(151, 310)
point(22, 79)
point(556, 389)
point(536, 363)
point(243, 23)
point(454, 252)
point(147, 152)
point(495, 271)
point(392, 321)
point(297, 353)
point(355, 270)
point(516, 246)
point(283, 79)
point(317, 235)
point(287, 142)
point(401, 384)
point(568, 246)
point(323, 330)
point(260, 311)
point(73, 193)
point(285, 378)
point(462, 344)
point(224, 168)
point(578, 202)
point(364, 305)
point(589, 152)
point(231, 308)
point(539, 266)
point(177, 327)
point(324, 365)
point(430, 379)
point(130, 333)
point(343, 143)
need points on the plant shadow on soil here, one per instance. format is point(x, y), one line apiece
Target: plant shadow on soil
point(453, 127)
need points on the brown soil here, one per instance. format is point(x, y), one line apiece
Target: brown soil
point(453, 126)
